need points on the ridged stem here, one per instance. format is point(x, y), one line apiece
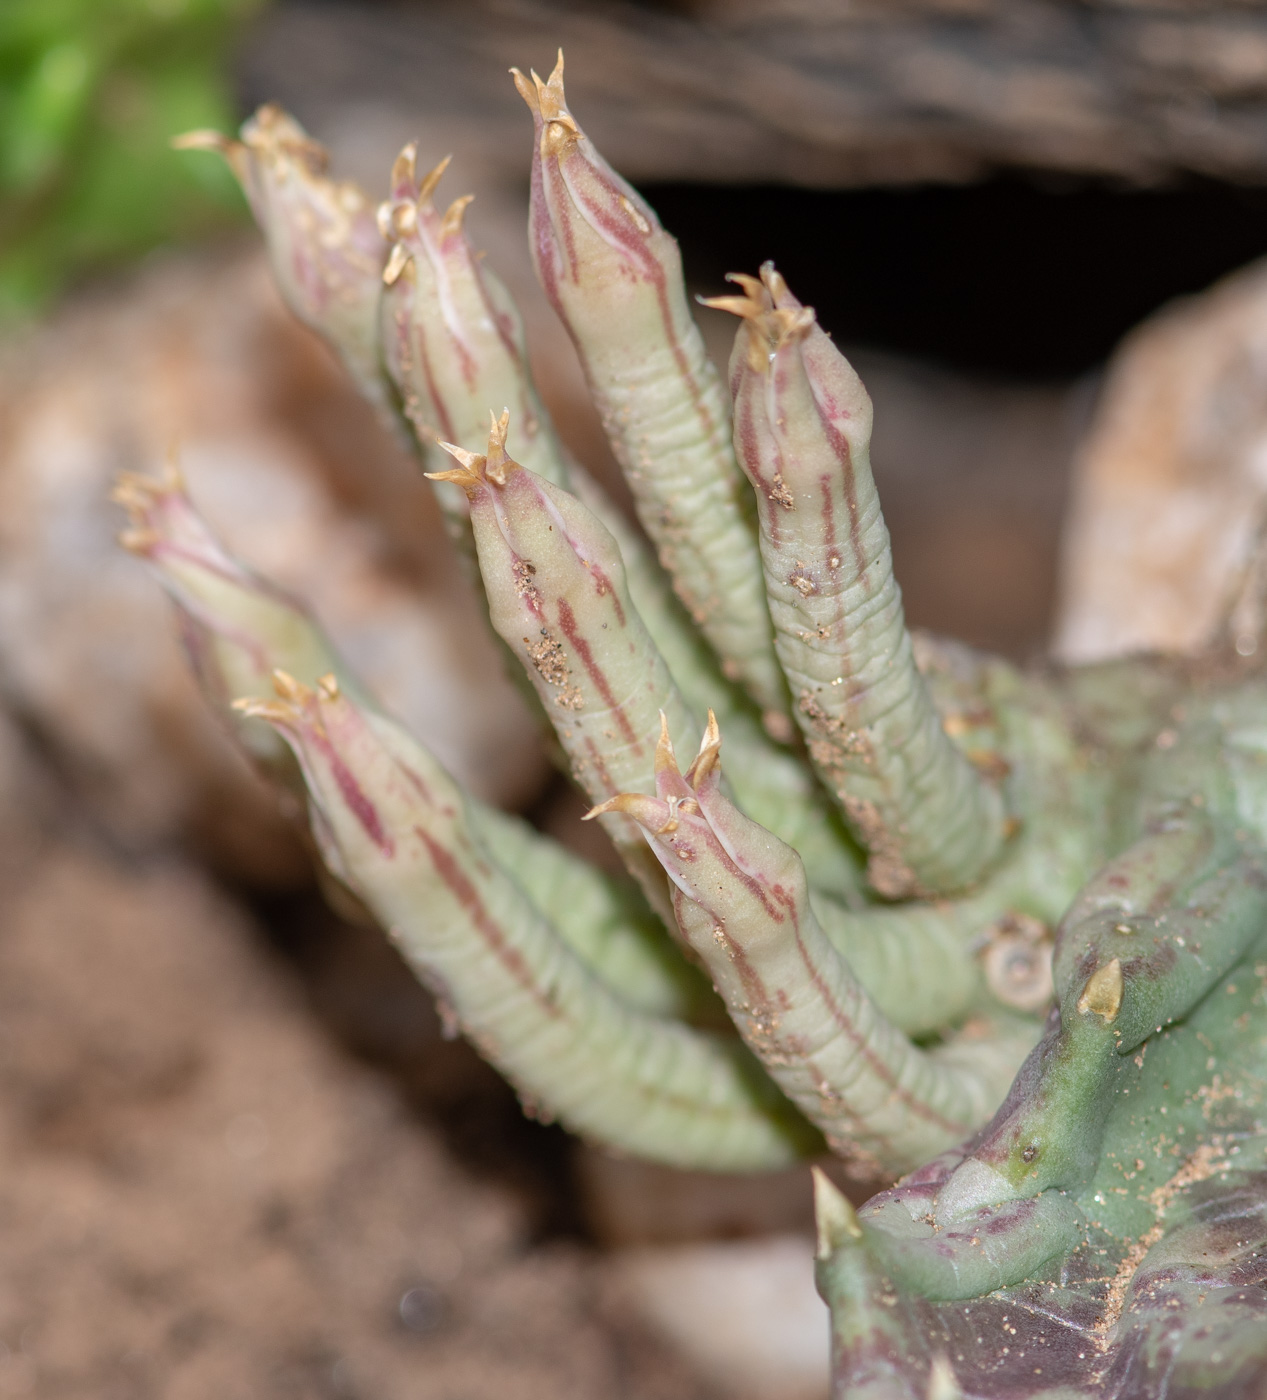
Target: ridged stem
point(930, 821)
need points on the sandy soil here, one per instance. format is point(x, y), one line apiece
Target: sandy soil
point(200, 1196)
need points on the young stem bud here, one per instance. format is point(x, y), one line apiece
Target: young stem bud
point(557, 598)
point(325, 249)
point(452, 338)
point(931, 822)
point(238, 627)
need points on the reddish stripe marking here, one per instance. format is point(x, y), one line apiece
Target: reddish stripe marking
point(877, 1065)
point(470, 370)
point(605, 589)
point(839, 444)
point(829, 516)
point(750, 451)
point(562, 217)
point(504, 330)
point(541, 229)
point(765, 1007)
point(466, 894)
point(439, 254)
point(567, 621)
point(358, 804)
point(446, 423)
point(618, 225)
point(415, 781)
point(701, 829)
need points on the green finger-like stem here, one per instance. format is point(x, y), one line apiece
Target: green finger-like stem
point(930, 821)
point(240, 630)
point(394, 826)
point(557, 598)
point(615, 278)
point(324, 247)
point(916, 961)
point(453, 346)
point(742, 903)
point(602, 919)
point(452, 338)
point(771, 784)
point(925, 962)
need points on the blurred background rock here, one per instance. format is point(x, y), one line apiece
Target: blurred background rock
point(240, 1158)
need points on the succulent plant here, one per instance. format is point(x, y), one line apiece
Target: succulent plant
point(894, 876)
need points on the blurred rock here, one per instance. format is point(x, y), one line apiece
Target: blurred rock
point(803, 91)
point(199, 1199)
point(745, 1313)
point(1170, 487)
point(295, 472)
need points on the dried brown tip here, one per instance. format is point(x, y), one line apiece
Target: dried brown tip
point(274, 711)
point(709, 756)
point(135, 493)
point(204, 139)
point(139, 541)
point(770, 326)
point(498, 464)
point(753, 286)
point(649, 812)
point(273, 134)
point(665, 758)
point(550, 94)
point(754, 302)
point(468, 474)
point(737, 306)
point(138, 494)
point(288, 688)
point(774, 283)
point(526, 90)
point(451, 224)
point(405, 170)
point(399, 260)
point(431, 179)
point(548, 102)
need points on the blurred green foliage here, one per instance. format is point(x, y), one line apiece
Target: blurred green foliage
point(91, 91)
